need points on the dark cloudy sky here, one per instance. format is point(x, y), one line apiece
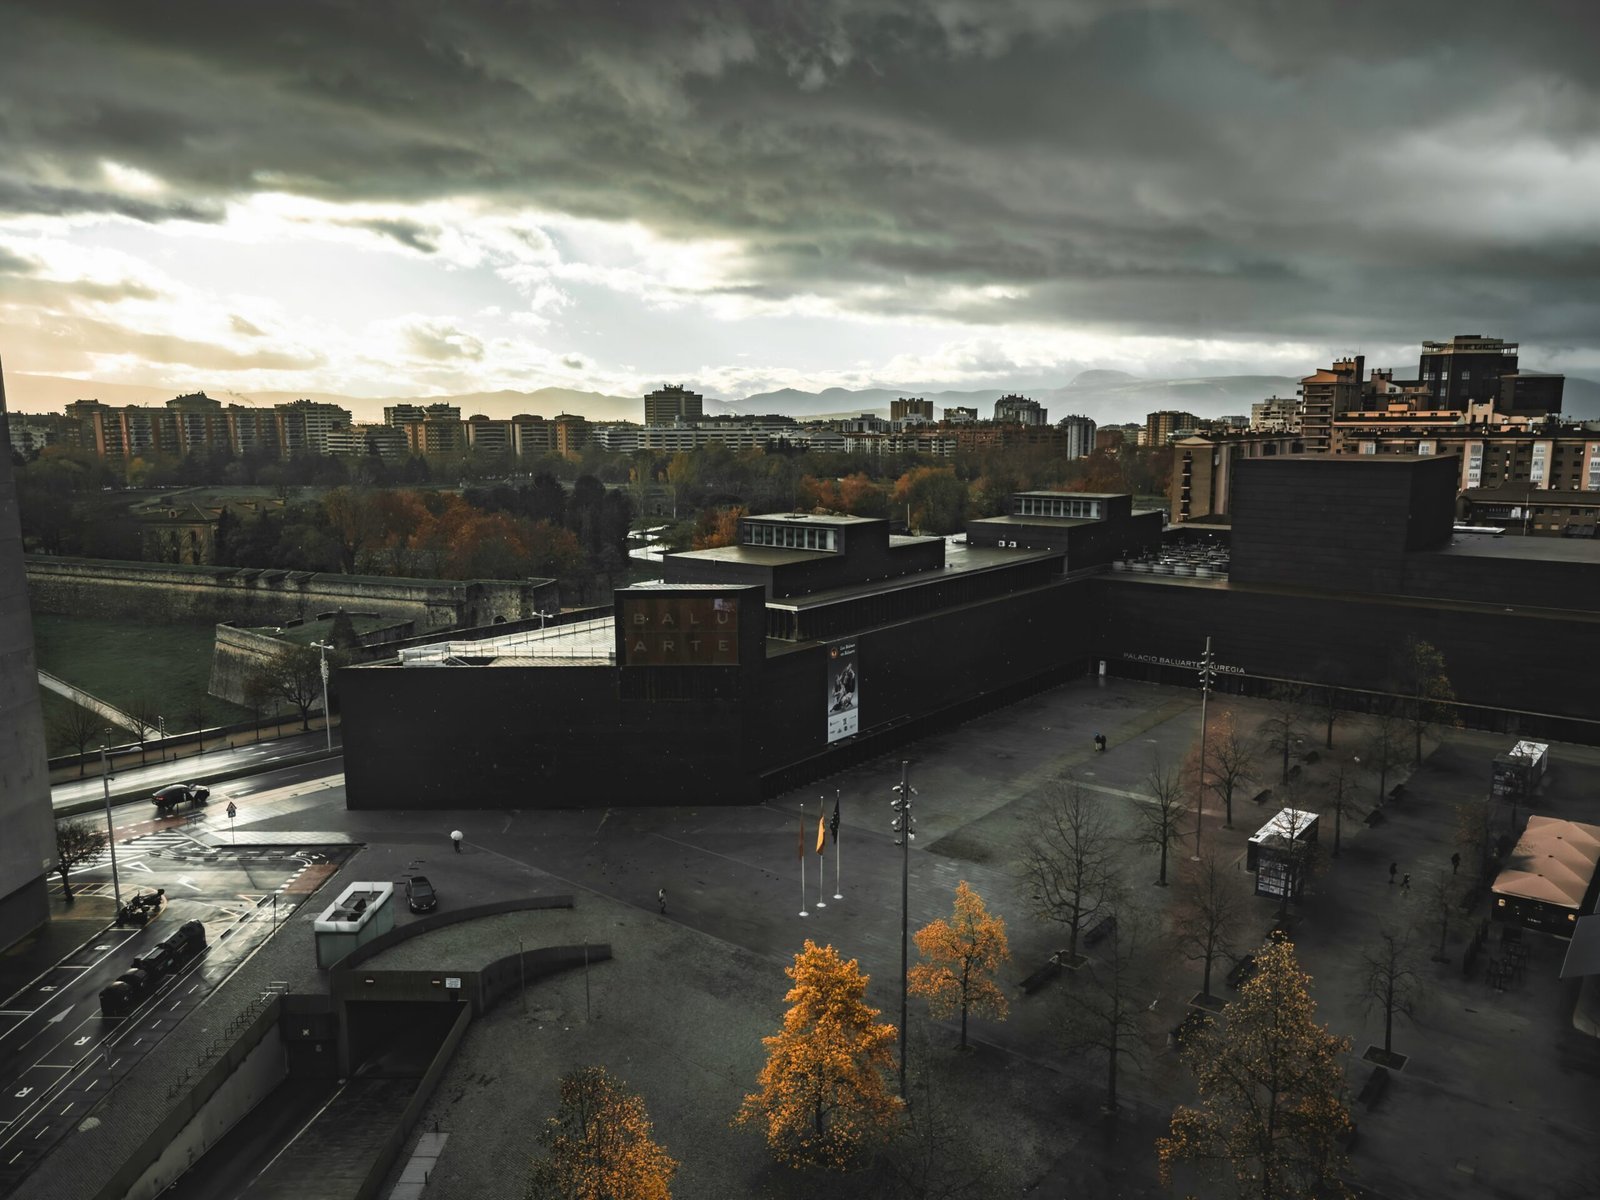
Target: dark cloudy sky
point(381, 198)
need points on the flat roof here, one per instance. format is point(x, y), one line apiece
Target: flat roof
point(813, 519)
point(1528, 549)
point(957, 559)
point(1079, 495)
point(755, 556)
point(1055, 521)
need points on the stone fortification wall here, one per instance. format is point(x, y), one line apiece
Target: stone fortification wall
point(236, 651)
point(160, 592)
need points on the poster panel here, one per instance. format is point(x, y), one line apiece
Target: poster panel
point(844, 694)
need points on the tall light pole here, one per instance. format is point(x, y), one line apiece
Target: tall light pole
point(111, 831)
point(1207, 674)
point(327, 714)
point(905, 828)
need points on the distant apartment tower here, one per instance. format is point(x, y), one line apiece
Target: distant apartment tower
point(304, 425)
point(1019, 410)
point(1080, 433)
point(673, 403)
point(1161, 427)
point(960, 415)
point(1471, 368)
point(572, 434)
point(1326, 394)
point(900, 409)
point(1275, 414)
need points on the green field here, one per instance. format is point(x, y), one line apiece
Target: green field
point(125, 662)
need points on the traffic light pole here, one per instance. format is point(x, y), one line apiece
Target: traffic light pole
point(111, 832)
point(1207, 672)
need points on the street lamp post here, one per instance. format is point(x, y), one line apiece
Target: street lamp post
point(111, 832)
point(327, 714)
point(1207, 674)
point(905, 828)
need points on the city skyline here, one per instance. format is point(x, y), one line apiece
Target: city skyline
point(866, 195)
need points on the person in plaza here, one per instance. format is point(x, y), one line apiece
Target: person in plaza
point(455, 839)
point(661, 899)
point(1394, 869)
point(1455, 863)
point(1405, 883)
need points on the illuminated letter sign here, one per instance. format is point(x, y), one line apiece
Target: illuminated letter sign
point(679, 631)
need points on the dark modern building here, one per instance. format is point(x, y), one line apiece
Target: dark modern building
point(819, 641)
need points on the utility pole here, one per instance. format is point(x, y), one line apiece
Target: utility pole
point(1207, 674)
point(327, 714)
point(111, 831)
point(905, 829)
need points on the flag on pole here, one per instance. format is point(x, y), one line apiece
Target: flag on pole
point(833, 825)
point(822, 832)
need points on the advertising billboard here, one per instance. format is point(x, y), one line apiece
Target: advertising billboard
point(680, 631)
point(844, 692)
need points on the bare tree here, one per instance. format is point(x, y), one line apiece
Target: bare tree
point(259, 695)
point(1326, 697)
point(1385, 748)
point(1231, 761)
point(77, 727)
point(1209, 908)
point(1430, 699)
point(1341, 788)
point(295, 673)
point(1441, 896)
point(1108, 1007)
point(1285, 722)
point(77, 842)
point(147, 718)
point(1160, 822)
point(1297, 853)
point(1475, 830)
point(1068, 866)
point(198, 710)
point(1390, 982)
point(935, 1153)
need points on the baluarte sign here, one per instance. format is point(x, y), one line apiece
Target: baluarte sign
point(680, 631)
point(1194, 664)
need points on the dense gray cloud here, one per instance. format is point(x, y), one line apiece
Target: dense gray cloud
point(1328, 170)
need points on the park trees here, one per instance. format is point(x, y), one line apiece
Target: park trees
point(1385, 746)
point(1230, 761)
point(78, 727)
point(1159, 821)
point(1339, 799)
point(824, 1092)
point(1429, 696)
point(1209, 908)
point(1285, 722)
point(599, 1145)
point(933, 497)
point(1069, 860)
point(1390, 983)
point(77, 842)
point(1271, 1106)
point(294, 675)
point(1108, 1006)
point(960, 957)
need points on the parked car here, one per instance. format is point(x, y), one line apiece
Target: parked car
point(169, 797)
point(420, 895)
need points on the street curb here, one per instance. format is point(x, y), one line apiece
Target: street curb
point(81, 807)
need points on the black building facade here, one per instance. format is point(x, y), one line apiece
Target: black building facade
point(817, 642)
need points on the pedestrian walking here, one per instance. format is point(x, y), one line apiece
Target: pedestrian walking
point(661, 900)
point(1455, 863)
point(455, 839)
point(1405, 884)
point(1393, 870)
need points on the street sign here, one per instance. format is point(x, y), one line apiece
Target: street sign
point(233, 810)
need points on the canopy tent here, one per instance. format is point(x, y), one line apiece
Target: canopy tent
point(1553, 863)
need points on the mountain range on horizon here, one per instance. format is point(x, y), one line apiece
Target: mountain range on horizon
point(1108, 397)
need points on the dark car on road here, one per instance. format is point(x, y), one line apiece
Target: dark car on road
point(420, 895)
point(168, 798)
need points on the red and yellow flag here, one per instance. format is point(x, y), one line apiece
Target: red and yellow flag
point(822, 832)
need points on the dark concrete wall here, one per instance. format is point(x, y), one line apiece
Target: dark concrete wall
point(171, 593)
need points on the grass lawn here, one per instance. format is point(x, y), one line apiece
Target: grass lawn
point(124, 662)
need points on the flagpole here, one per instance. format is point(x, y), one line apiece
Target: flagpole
point(802, 848)
point(837, 894)
point(822, 857)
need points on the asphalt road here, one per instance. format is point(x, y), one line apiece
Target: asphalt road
point(57, 1053)
point(148, 777)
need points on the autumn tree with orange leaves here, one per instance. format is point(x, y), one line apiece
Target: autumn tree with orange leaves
point(718, 527)
point(825, 1091)
point(1272, 1108)
point(598, 1146)
point(960, 958)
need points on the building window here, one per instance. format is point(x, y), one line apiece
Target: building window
point(1424, 447)
point(793, 537)
point(1058, 506)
